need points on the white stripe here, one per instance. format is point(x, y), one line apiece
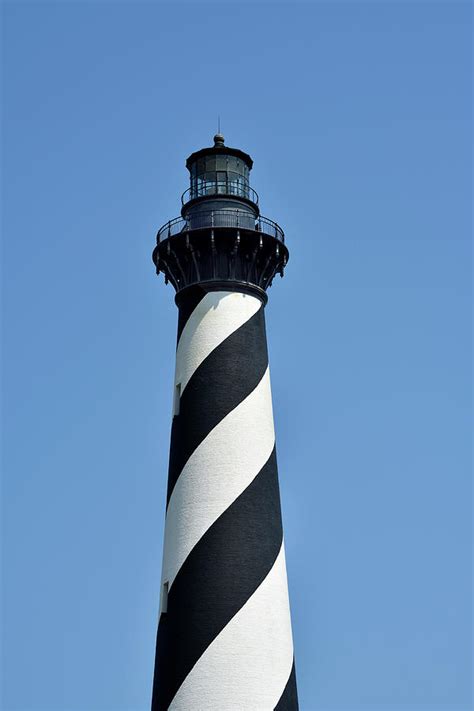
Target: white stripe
point(247, 666)
point(216, 316)
point(216, 473)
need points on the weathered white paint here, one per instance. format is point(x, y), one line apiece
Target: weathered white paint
point(216, 316)
point(216, 473)
point(248, 664)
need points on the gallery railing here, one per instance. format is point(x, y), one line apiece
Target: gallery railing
point(221, 218)
point(219, 187)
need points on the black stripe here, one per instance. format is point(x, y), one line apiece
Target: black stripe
point(289, 698)
point(217, 386)
point(188, 300)
point(222, 571)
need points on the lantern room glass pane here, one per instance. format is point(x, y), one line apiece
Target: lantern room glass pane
point(232, 164)
point(222, 182)
point(210, 183)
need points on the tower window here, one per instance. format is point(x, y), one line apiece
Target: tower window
point(177, 398)
point(164, 597)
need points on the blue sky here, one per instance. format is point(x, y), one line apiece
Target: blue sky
point(358, 118)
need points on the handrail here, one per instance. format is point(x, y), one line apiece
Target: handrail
point(219, 187)
point(220, 218)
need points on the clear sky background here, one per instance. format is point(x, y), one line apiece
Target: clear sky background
point(358, 117)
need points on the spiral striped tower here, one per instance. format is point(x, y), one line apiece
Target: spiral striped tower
point(224, 637)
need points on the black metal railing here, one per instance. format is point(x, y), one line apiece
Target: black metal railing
point(220, 187)
point(221, 218)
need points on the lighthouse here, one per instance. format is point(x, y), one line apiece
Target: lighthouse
point(224, 638)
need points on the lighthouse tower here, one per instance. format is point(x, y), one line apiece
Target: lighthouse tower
point(224, 639)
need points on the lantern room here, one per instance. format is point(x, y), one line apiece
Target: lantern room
point(219, 170)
